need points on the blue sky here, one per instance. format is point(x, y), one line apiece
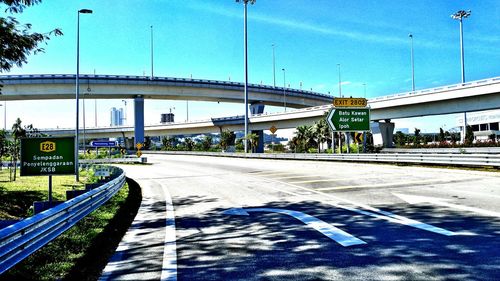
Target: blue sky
point(205, 39)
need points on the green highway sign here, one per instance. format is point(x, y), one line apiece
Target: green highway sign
point(349, 119)
point(47, 156)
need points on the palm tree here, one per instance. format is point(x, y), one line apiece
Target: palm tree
point(17, 133)
point(3, 146)
point(321, 132)
point(189, 143)
point(227, 138)
point(305, 137)
point(254, 140)
point(168, 142)
point(207, 142)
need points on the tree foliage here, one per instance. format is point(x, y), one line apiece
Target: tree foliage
point(227, 138)
point(207, 142)
point(17, 41)
point(253, 139)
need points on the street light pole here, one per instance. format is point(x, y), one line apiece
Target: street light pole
point(124, 118)
point(274, 68)
point(152, 75)
point(459, 16)
point(245, 4)
point(284, 88)
point(340, 81)
point(5, 115)
point(412, 64)
point(77, 90)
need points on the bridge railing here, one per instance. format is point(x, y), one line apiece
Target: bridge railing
point(166, 79)
point(21, 239)
point(493, 80)
point(470, 160)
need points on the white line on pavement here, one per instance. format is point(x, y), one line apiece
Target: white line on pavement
point(169, 267)
point(375, 212)
point(415, 199)
point(343, 238)
point(381, 184)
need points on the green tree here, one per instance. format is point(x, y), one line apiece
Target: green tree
point(4, 145)
point(227, 139)
point(17, 133)
point(305, 138)
point(17, 41)
point(293, 144)
point(253, 139)
point(189, 144)
point(400, 139)
point(168, 142)
point(417, 137)
point(147, 142)
point(469, 135)
point(441, 137)
point(322, 132)
point(207, 142)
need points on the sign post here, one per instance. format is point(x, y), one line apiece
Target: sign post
point(47, 156)
point(349, 115)
point(139, 146)
point(273, 130)
point(349, 119)
point(106, 144)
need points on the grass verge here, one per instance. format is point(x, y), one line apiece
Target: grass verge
point(16, 197)
point(83, 251)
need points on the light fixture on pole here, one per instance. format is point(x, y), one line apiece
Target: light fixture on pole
point(340, 81)
point(245, 4)
point(364, 89)
point(459, 16)
point(412, 64)
point(284, 89)
point(77, 90)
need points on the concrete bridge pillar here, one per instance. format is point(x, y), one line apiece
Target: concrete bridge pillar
point(256, 108)
point(138, 120)
point(260, 145)
point(383, 133)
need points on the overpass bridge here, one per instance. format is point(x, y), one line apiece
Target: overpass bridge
point(138, 88)
point(472, 96)
point(60, 86)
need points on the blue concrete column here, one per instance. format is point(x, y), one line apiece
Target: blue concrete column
point(138, 120)
point(260, 145)
point(256, 108)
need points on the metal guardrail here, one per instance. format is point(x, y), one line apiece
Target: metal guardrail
point(493, 80)
point(455, 150)
point(21, 239)
point(114, 160)
point(472, 160)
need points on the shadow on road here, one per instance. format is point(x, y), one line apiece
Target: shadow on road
point(271, 246)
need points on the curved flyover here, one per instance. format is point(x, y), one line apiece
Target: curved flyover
point(40, 87)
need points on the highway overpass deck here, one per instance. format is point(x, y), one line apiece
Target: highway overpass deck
point(62, 86)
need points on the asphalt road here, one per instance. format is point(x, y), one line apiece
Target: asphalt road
point(311, 221)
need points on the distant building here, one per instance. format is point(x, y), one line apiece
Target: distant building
point(483, 123)
point(117, 117)
point(167, 118)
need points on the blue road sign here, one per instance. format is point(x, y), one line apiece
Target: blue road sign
point(103, 143)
